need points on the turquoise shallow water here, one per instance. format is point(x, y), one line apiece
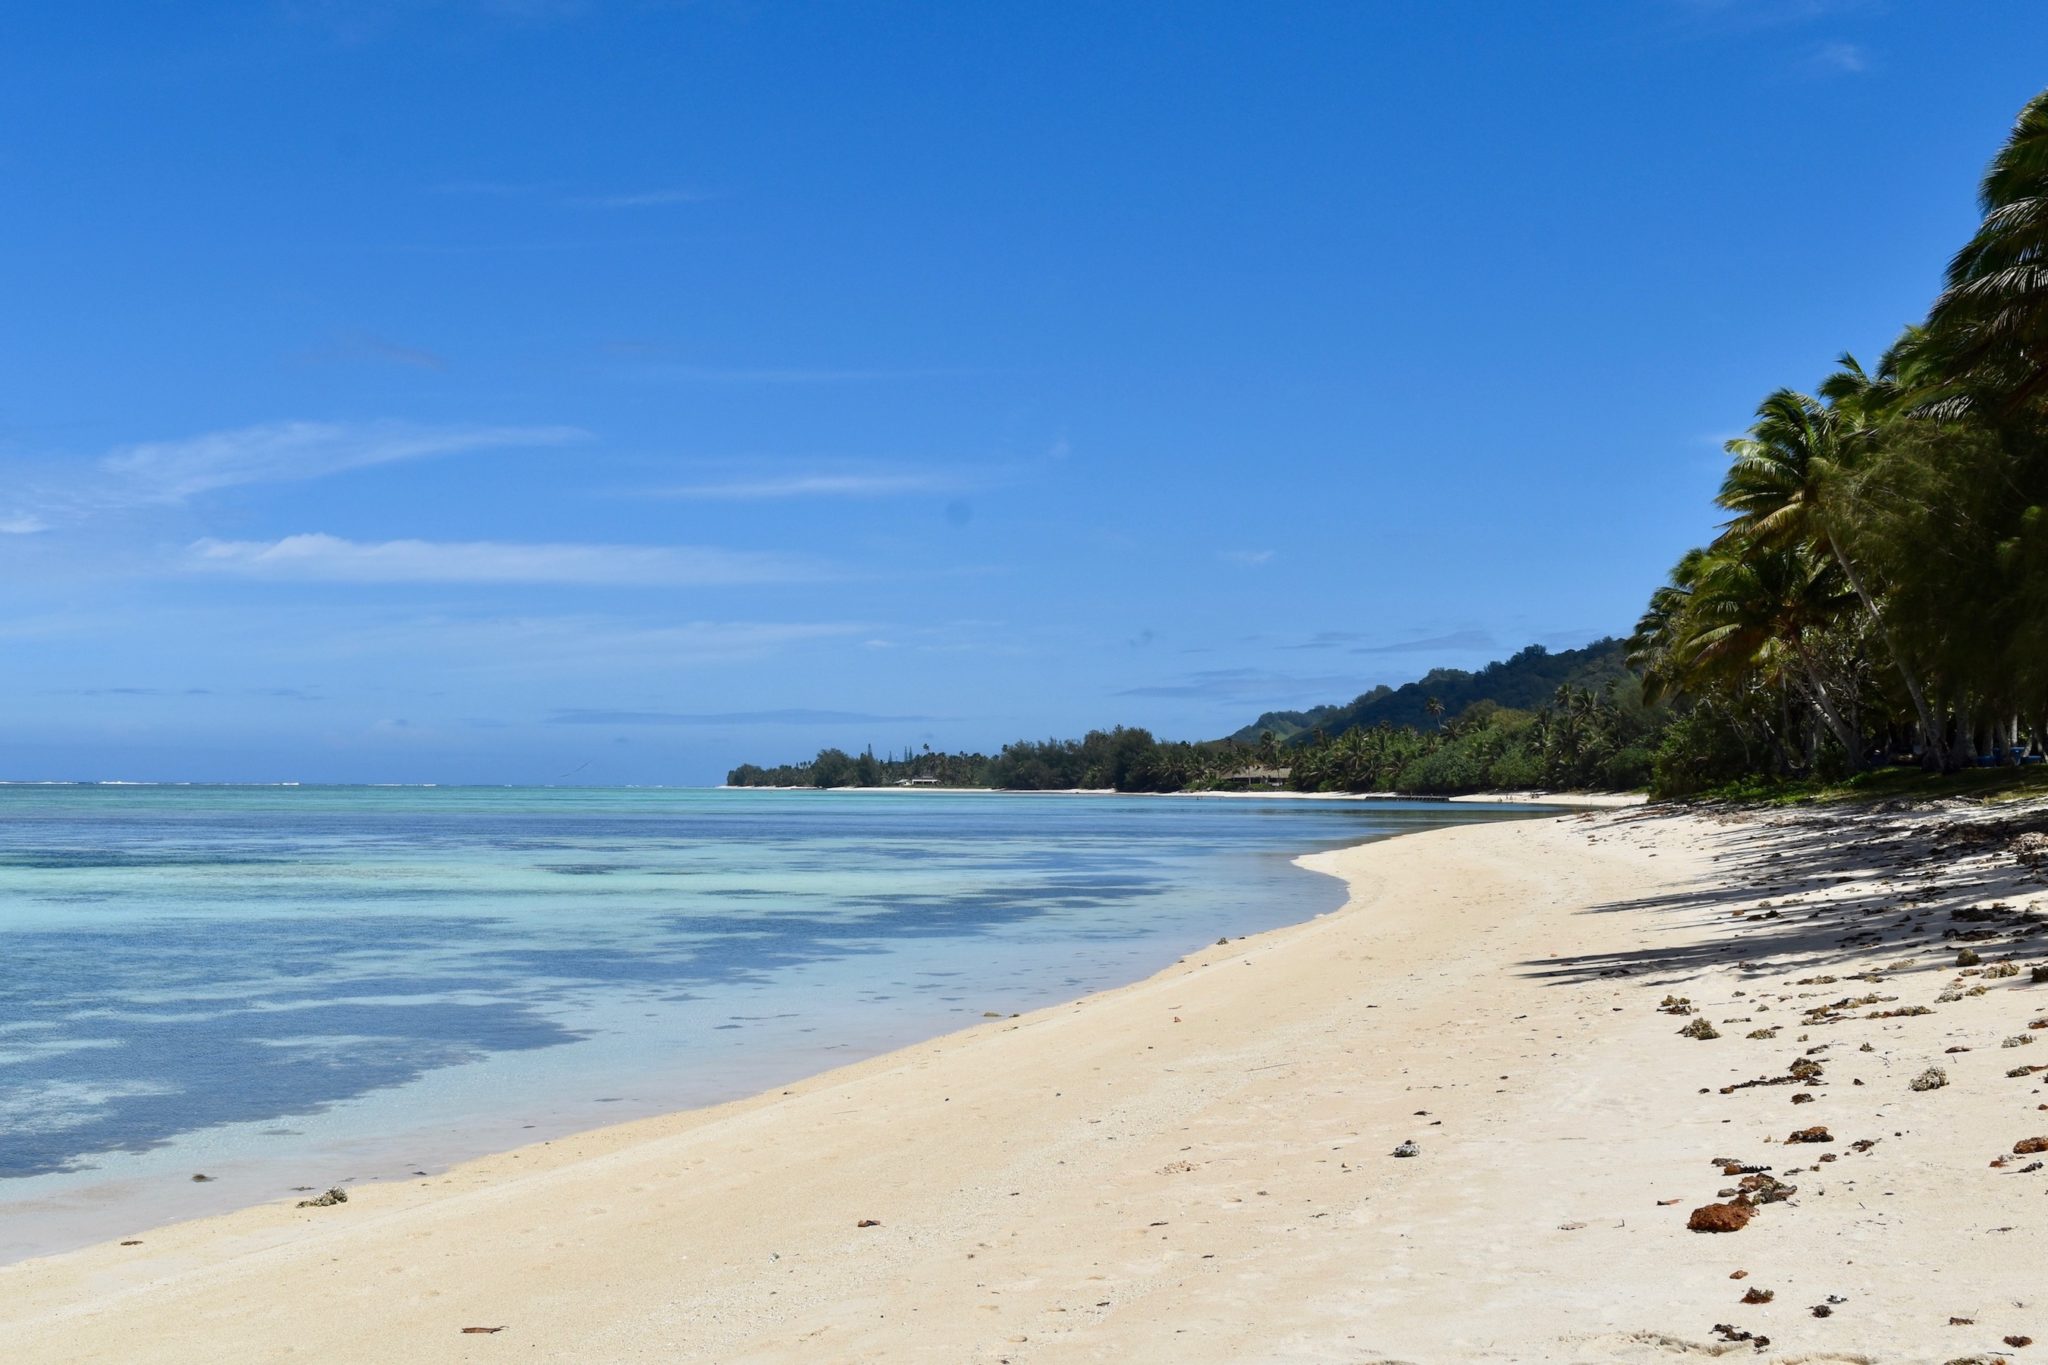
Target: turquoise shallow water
point(293, 986)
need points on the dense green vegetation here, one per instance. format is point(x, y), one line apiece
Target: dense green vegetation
point(1875, 606)
point(1879, 593)
point(1525, 682)
point(1125, 759)
point(1579, 737)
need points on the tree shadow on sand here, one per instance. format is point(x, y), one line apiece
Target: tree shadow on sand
point(1822, 889)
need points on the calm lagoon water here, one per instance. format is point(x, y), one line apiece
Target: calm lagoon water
point(298, 986)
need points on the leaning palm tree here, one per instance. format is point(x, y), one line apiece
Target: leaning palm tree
point(1777, 487)
point(1991, 322)
point(1758, 610)
point(1909, 381)
point(1653, 647)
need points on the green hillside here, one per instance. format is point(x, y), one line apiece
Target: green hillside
point(1524, 682)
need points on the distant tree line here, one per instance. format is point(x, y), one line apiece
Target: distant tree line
point(1583, 738)
point(1122, 759)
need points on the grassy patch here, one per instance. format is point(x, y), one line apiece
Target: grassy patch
point(1890, 784)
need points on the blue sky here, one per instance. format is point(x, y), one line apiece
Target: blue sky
point(522, 391)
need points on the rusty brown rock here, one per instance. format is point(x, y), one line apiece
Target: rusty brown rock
point(1732, 1217)
point(2029, 1146)
point(1817, 1133)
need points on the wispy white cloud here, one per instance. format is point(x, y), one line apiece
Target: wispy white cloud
point(641, 200)
point(740, 374)
point(602, 647)
point(325, 558)
point(1325, 639)
point(1360, 642)
point(1456, 640)
point(278, 452)
point(1250, 684)
point(48, 494)
point(363, 346)
point(357, 22)
point(554, 192)
point(875, 485)
point(485, 189)
point(1739, 16)
point(1250, 559)
point(1841, 57)
point(785, 716)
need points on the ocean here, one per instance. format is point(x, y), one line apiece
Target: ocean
point(282, 988)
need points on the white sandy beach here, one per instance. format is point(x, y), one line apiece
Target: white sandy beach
point(1198, 1167)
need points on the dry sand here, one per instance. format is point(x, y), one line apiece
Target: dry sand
point(1198, 1167)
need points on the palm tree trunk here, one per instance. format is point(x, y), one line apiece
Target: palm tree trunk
point(1728, 718)
point(1845, 735)
point(1913, 689)
point(1783, 732)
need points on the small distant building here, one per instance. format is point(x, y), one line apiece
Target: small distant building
point(1256, 779)
point(917, 781)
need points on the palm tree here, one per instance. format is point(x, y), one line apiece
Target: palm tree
point(1991, 322)
point(1435, 707)
point(1992, 319)
point(1776, 486)
point(1747, 613)
point(1764, 609)
point(1911, 381)
point(1661, 652)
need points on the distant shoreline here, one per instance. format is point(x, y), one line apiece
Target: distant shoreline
point(1574, 800)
